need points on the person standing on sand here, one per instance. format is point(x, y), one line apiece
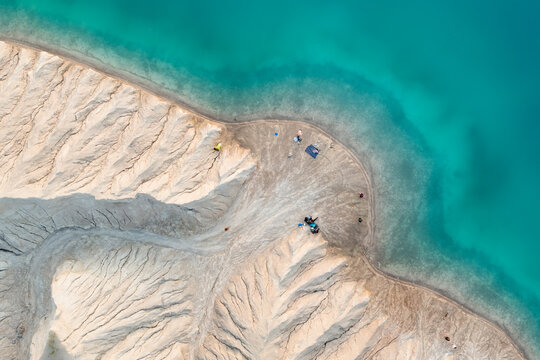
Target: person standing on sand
point(309, 220)
point(299, 136)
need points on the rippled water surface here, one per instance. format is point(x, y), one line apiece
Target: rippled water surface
point(439, 100)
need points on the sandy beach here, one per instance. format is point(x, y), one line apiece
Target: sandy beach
point(114, 206)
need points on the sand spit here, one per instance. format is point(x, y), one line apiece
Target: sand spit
point(113, 206)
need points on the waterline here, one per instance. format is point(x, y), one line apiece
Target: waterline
point(454, 172)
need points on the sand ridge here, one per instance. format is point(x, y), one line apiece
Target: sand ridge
point(112, 214)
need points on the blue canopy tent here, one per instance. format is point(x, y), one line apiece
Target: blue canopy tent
point(313, 151)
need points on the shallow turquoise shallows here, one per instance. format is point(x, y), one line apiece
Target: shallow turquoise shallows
point(441, 101)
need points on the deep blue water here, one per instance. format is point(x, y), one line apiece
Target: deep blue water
point(440, 100)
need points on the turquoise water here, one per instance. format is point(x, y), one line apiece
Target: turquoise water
point(440, 101)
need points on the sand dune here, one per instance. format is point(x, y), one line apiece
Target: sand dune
point(113, 206)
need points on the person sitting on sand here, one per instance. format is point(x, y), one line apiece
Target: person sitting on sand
point(309, 220)
point(299, 136)
point(314, 228)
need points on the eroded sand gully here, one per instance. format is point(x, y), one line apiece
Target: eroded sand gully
point(112, 243)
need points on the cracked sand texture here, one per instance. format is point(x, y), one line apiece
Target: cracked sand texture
point(112, 210)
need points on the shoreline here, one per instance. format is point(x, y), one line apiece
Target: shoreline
point(165, 94)
point(402, 281)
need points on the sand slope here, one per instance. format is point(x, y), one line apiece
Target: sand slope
point(112, 244)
